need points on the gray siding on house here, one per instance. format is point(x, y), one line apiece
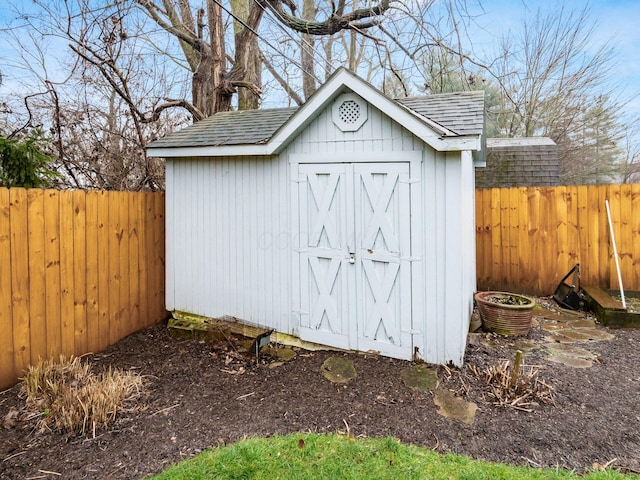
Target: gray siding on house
point(519, 162)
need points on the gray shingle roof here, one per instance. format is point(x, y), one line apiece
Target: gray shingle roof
point(519, 162)
point(460, 112)
point(246, 127)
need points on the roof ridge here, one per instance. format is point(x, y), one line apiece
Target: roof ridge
point(441, 94)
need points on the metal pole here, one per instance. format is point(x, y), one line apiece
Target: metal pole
point(615, 254)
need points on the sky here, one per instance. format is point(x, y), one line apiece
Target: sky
point(616, 20)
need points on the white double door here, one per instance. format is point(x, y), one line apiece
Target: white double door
point(355, 256)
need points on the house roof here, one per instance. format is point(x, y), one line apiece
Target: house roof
point(444, 121)
point(519, 142)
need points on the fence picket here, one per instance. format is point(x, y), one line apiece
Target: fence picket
point(159, 252)
point(104, 275)
point(20, 279)
point(497, 258)
point(635, 235)
point(626, 239)
point(115, 236)
point(123, 315)
point(92, 308)
point(582, 231)
point(134, 260)
point(143, 251)
point(593, 261)
point(7, 370)
point(67, 281)
point(52, 272)
point(79, 272)
point(37, 275)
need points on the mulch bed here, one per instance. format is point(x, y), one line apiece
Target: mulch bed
point(201, 394)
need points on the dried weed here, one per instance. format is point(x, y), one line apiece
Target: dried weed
point(527, 390)
point(71, 398)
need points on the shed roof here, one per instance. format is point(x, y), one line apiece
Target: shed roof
point(436, 118)
point(246, 127)
point(460, 112)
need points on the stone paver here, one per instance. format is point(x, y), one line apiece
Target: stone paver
point(454, 407)
point(339, 369)
point(421, 377)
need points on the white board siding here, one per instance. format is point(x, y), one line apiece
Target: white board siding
point(230, 239)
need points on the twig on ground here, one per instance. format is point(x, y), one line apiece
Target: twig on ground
point(245, 395)
point(348, 429)
point(535, 464)
point(14, 455)
point(164, 410)
point(437, 445)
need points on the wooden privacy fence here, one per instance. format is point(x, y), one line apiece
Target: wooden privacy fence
point(78, 272)
point(529, 238)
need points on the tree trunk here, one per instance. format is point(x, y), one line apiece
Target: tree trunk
point(221, 97)
point(307, 51)
point(248, 65)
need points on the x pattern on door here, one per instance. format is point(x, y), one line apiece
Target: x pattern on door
point(324, 197)
point(352, 216)
point(379, 199)
point(325, 279)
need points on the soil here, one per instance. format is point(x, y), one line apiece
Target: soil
point(204, 393)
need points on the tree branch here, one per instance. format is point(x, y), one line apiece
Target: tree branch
point(334, 24)
point(283, 83)
point(100, 63)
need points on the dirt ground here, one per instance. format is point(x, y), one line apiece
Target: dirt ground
point(201, 394)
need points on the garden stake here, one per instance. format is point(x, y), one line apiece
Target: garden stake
point(615, 254)
point(516, 369)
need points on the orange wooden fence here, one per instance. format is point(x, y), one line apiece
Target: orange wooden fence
point(81, 270)
point(529, 238)
point(78, 272)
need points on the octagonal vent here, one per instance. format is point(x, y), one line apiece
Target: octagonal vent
point(349, 112)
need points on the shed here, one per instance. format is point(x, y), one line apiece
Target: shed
point(347, 222)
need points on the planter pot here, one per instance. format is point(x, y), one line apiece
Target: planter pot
point(505, 313)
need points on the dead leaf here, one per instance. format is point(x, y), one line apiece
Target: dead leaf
point(301, 443)
point(10, 419)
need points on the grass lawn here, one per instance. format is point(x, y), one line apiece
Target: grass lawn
point(310, 456)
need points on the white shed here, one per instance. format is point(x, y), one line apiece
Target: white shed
point(347, 222)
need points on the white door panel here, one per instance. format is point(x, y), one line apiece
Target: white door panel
point(355, 222)
point(383, 238)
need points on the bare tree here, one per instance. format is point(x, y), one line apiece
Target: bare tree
point(549, 85)
point(100, 112)
point(213, 83)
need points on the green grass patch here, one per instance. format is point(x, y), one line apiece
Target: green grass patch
point(302, 456)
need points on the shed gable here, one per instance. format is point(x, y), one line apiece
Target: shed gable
point(378, 135)
point(268, 132)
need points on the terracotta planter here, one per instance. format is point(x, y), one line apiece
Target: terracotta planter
point(505, 313)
